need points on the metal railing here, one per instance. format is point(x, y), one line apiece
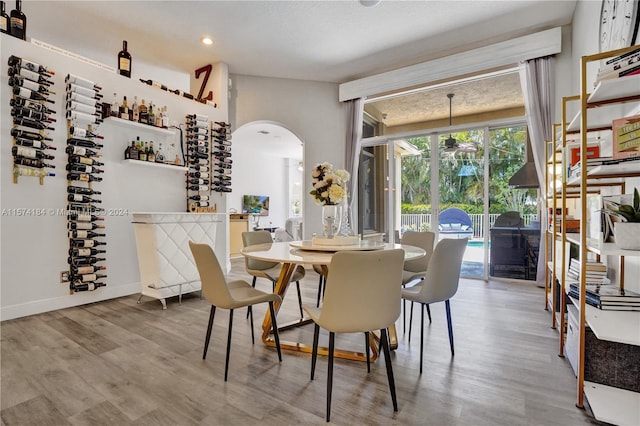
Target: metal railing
point(422, 222)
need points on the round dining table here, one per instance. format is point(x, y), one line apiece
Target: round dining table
point(306, 253)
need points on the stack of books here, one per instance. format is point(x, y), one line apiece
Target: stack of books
point(596, 271)
point(607, 297)
point(574, 171)
point(620, 66)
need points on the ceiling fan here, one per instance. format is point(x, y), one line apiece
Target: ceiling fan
point(451, 144)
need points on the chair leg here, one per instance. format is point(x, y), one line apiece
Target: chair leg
point(410, 321)
point(299, 299)
point(384, 340)
point(428, 312)
point(226, 363)
point(253, 341)
point(209, 327)
point(332, 336)
point(366, 350)
point(421, 334)
point(253, 284)
point(314, 353)
point(319, 291)
point(276, 336)
point(448, 308)
point(404, 316)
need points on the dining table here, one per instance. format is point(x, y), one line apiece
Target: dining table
point(306, 253)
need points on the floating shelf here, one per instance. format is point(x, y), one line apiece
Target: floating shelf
point(613, 405)
point(159, 165)
point(140, 126)
point(616, 88)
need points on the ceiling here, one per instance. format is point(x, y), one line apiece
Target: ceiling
point(269, 139)
point(330, 41)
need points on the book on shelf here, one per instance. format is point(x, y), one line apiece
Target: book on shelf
point(590, 265)
point(618, 58)
point(606, 303)
point(620, 160)
point(627, 70)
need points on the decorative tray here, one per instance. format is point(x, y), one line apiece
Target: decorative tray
point(361, 245)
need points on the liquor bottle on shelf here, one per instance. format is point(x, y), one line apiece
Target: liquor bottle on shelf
point(134, 153)
point(151, 155)
point(86, 243)
point(18, 22)
point(124, 61)
point(83, 133)
point(83, 217)
point(198, 187)
point(23, 151)
point(86, 277)
point(84, 143)
point(134, 111)
point(82, 233)
point(151, 116)
point(82, 168)
point(34, 144)
point(142, 152)
point(29, 75)
point(30, 94)
point(160, 155)
point(74, 79)
point(79, 150)
point(115, 106)
point(124, 109)
point(143, 113)
point(29, 65)
point(74, 89)
point(165, 118)
point(26, 103)
point(83, 177)
point(4, 19)
point(85, 259)
point(31, 162)
point(87, 286)
point(154, 84)
point(31, 114)
point(87, 226)
point(82, 190)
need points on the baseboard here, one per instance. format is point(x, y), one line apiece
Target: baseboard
point(67, 301)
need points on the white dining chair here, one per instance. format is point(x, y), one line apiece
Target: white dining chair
point(414, 270)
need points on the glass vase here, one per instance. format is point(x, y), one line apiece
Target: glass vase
point(331, 219)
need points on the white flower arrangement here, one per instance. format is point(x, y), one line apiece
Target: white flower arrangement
point(329, 186)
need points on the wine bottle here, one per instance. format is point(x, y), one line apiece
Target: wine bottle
point(223, 165)
point(221, 123)
point(27, 152)
point(83, 91)
point(154, 84)
point(29, 65)
point(221, 183)
point(223, 148)
point(83, 217)
point(31, 114)
point(194, 124)
point(202, 204)
point(82, 168)
point(32, 124)
point(18, 22)
point(26, 103)
point(181, 93)
point(87, 286)
point(29, 75)
point(198, 187)
point(83, 133)
point(222, 155)
point(221, 189)
point(83, 225)
point(86, 277)
point(203, 175)
point(77, 150)
point(74, 79)
point(199, 197)
point(85, 252)
point(223, 171)
point(198, 181)
point(83, 177)
point(124, 61)
point(77, 116)
point(82, 270)
point(34, 144)
point(85, 208)
point(198, 130)
point(85, 260)
point(30, 94)
point(82, 233)
point(84, 108)
point(20, 81)
point(84, 143)
point(225, 160)
point(223, 177)
point(4, 19)
point(31, 162)
point(86, 243)
point(78, 198)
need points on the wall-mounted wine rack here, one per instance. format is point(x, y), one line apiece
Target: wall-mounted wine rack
point(198, 155)
point(83, 113)
point(31, 115)
point(222, 163)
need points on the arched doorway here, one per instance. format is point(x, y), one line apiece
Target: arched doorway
point(268, 161)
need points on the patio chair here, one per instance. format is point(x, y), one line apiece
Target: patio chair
point(455, 223)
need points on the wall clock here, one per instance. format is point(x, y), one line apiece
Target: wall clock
point(619, 21)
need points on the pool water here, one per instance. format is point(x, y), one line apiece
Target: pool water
point(479, 243)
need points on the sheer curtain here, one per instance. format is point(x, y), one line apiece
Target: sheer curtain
point(355, 108)
point(537, 78)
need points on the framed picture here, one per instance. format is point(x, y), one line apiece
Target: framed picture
point(626, 137)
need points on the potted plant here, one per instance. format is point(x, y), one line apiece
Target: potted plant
point(627, 228)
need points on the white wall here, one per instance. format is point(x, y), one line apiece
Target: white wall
point(308, 109)
point(34, 247)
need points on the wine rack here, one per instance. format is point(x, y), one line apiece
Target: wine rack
point(83, 112)
point(198, 154)
point(31, 117)
point(222, 163)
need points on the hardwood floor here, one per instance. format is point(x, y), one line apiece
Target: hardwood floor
point(122, 363)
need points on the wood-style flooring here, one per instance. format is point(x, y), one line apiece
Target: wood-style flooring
point(122, 363)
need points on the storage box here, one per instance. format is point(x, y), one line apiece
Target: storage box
point(593, 151)
point(626, 137)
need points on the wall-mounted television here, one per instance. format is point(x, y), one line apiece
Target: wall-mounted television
point(255, 204)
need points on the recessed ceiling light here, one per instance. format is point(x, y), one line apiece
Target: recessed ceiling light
point(369, 3)
point(207, 40)
point(263, 132)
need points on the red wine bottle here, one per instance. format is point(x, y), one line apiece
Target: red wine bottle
point(29, 75)
point(199, 197)
point(198, 187)
point(203, 175)
point(74, 79)
point(18, 22)
point(85, 260)
point(4, 19)
point(30, 162)
point(82, 233)
point(83, 177)
point(84, 160)
point(84, 143)
point(86, 243)
point(82, 270)
point(32, 124)
point(124, 61)
point(83, 217)
point(74, 89)
point(79, 198)
point(31, 114)
point(221, 183)
point(198, 181)
point(84, 118)
point(221, 123)
point(29, 65)
point(154, 84)
point(27, 152)
point(30, 94)
point(82, 168)
point(87, 286)
point(221, 189)
point(82, 133)
point(84, 278)
point(85, 208)
point(26, 103)
point(33, 144)
point(87, 226)
point(82, 190)
point(78, 150)
point(19, 81)
point(95, 109)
